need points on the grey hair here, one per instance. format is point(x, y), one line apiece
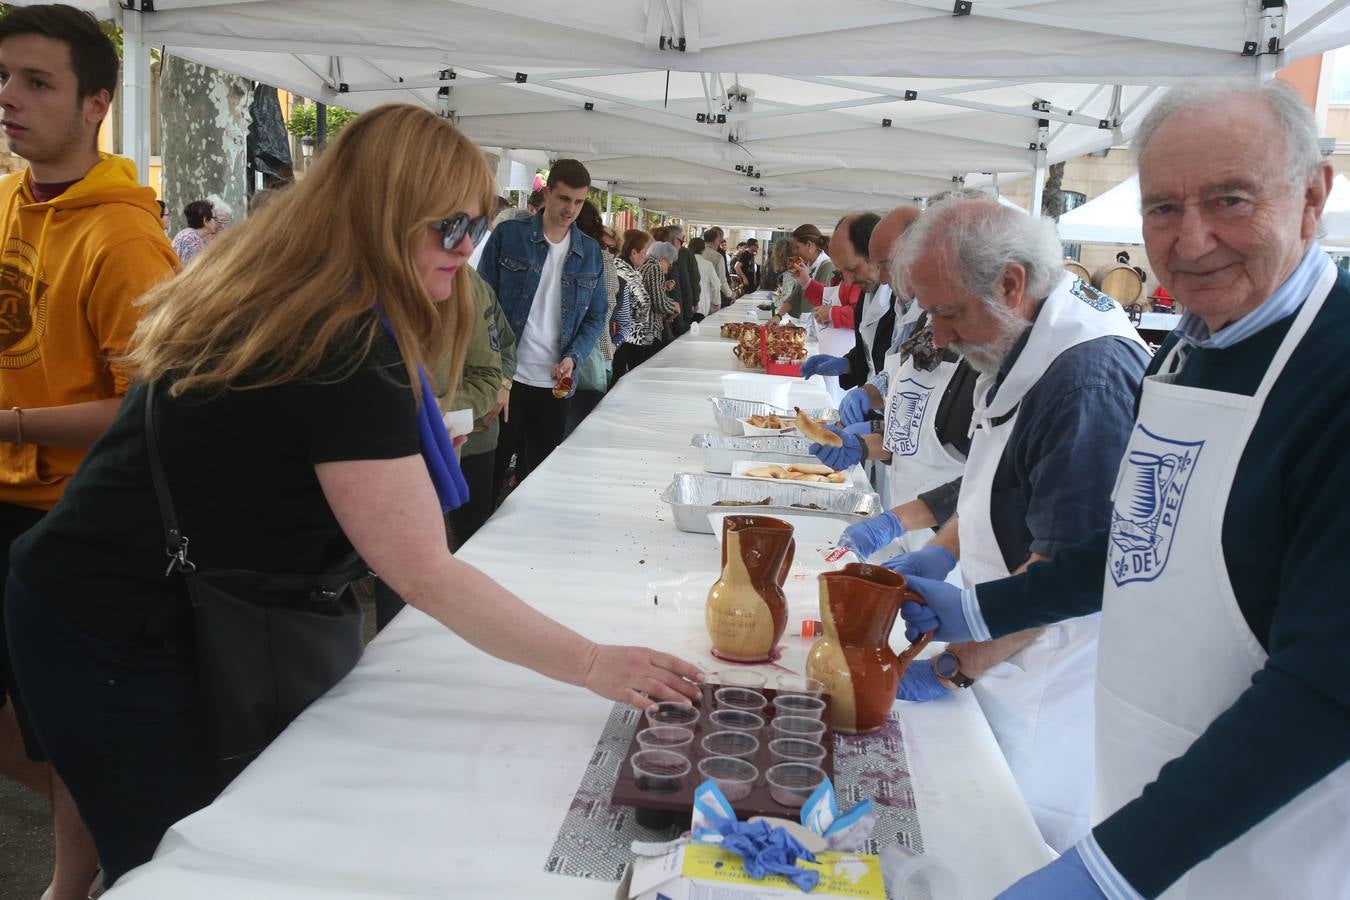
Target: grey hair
point(1294, 119)
point(676, 231)
point(511, 214)
point(963, 193)
point(662, 250)
point(983, 243)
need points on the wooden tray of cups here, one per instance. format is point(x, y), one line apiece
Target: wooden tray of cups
point(681, 801)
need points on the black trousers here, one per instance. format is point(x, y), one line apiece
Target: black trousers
point(582, 404)
point(14, 521)
point(467, 519)
point(121, 721)
point(628, 357)
point(533, 431)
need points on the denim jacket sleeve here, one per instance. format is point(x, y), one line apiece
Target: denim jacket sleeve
point(597, 310)
point(487, 263)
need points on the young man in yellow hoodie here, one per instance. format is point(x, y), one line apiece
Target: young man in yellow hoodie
point(82, 241)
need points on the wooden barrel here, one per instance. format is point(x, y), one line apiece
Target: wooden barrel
point(1119, 282)
point(1078, 269)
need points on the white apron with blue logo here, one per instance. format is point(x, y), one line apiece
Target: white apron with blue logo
point(1038, 701)
point(1159, 688)
point(919, 461)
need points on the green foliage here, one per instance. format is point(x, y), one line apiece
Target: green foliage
point(303, 121)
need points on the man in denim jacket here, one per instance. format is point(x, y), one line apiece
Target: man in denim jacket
point(549, 279)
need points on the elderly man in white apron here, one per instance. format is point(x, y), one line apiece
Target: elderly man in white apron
point(1059, 367)
point(921, 443)
point(1223, 686)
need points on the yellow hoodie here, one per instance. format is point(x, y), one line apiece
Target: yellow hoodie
point(70, 270)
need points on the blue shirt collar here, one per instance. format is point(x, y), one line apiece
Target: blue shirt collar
point(1286, 300)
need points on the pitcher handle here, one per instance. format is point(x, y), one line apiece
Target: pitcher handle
point(915, 648)
point(787, 562)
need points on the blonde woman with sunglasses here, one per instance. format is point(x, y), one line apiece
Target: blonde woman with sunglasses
point(294, 423)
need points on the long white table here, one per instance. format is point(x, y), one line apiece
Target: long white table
point(434, 770)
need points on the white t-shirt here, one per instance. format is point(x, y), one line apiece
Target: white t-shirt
point(540, 347)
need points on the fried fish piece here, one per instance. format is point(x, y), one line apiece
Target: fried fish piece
point(816, 431)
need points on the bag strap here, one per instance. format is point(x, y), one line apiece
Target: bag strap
point(327, 584)
point(175, 542)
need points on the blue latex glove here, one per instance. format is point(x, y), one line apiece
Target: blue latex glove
point(942, 614)
point(768, 850)
point(870, 535)
point(1064, 879)
point(821, 364)
point(841, 458)
point(920, 683)
point(926, 562)
point(855, 406)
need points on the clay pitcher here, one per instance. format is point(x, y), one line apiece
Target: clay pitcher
point(858, 606)
point(747, 612)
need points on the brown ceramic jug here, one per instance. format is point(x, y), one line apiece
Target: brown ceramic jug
point(858, 606)
point(747, 612)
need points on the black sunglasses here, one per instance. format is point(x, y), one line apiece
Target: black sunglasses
point(454, 228)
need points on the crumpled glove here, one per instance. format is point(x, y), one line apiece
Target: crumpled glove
point(855, 406)
point(870, 535)
point(926, 562)
point(920, 683)
point(943, 612)
point(841, 458)
point(822, 364)
point(1064, 879)
point(768, 850)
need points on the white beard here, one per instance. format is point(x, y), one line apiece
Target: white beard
point(986, 358)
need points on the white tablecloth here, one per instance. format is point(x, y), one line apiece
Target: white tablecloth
point(434, 770)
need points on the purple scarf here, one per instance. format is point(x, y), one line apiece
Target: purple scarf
point(438, 452)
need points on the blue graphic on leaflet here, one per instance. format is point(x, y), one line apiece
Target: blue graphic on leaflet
point(905, 417)
point(1148, 505)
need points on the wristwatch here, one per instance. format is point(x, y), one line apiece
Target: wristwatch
point(946, 665)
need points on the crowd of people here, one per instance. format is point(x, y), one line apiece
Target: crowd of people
point(1134, 558)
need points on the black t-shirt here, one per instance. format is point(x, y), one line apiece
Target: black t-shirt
point(746, 260)
point(240, 466)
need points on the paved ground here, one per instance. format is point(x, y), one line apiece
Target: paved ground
point(25, 843)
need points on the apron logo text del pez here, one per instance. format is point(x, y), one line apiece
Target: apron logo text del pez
point(1148, 505)
point(906, 417)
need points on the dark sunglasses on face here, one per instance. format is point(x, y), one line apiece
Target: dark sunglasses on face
point(454, 228)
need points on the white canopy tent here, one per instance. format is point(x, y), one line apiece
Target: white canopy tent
point(869, 101)
point(1109, 218)
point(1114, 217)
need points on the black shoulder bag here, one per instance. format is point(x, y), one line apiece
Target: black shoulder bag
point(266, 644)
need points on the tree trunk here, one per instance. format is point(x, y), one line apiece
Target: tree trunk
point(1052, 200)
point(203, 119)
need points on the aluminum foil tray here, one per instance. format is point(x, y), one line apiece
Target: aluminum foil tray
point(728, 413)
point(720, 450)
point(692, 494)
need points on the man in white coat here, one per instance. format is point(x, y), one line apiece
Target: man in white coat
point(1059, 365)
point(1223, 681)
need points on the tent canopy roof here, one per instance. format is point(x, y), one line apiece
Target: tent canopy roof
point(900, 96)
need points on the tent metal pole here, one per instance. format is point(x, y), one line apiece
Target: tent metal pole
point(135, 94)
point(1038, 179)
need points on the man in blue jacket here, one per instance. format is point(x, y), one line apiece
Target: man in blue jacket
point(550, 282)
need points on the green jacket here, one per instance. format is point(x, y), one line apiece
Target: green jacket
point(490, 357)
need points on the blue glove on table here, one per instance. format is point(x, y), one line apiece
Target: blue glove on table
point(920, 683)
point(870, 535)
point(769, 850)
point(943, 614)
point(1064, 879)
point(926, 562)
point(855, 406)
point(820, 364)
point(841, 458)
